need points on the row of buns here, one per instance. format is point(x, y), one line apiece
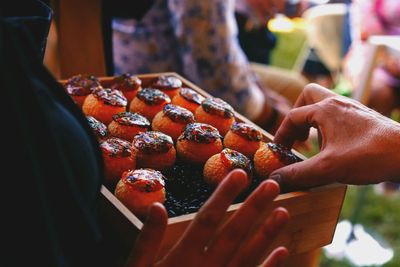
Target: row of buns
point(143, 130)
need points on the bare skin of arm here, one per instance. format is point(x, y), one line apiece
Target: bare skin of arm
point(357, 144)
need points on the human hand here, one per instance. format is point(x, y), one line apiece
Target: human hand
point(211, 241)
point(358, 145)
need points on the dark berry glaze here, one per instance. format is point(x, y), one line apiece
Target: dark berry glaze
point(217, 106)
point(178, 114)
point(191, 95)
point(246, 131)
point(144, 180)
point(131, 119)
point(99, 128)
point(153, 142)
point(110, 97)
point(200, 133)
point(126, 82)
point(233, 159)
point(283, 153)
point(167, 82)
point(115, 147)
point(152, 96)
point(81, 85)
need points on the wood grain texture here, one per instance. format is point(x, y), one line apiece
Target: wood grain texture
point(80, 37)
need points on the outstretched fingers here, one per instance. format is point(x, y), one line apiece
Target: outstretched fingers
point(237, 227)
point(208, 219)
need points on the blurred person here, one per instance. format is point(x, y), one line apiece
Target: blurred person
point(54, 172)
point(368, 18)
point(199, 40)
point(358, 145)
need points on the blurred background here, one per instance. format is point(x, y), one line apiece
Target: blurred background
point(318, 43)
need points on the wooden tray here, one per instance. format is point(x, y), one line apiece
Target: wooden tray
point(314, 212)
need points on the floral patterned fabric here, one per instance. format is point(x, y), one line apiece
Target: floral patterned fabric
point(197, 39)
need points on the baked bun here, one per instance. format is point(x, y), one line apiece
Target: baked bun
point(126, 125)
point(139, 189)
point(172, 120)
point(154, 150)
point(99, 128)
point(118, 157)
point(103, 103)
point(218, 166)
point(244, 138)
point(168, 84)
point(216, 112)
point(188, 98)
point(198, 143)
point(271, 156)
point(148, 102)
point(128, 84)
point(80, 86)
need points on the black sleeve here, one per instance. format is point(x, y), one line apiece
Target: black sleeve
point(51, 168)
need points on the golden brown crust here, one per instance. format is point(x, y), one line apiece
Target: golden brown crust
point(182, 102)
point(149, 110)
point(197, 153)
point(97, 109)
point(239, 143)
point(154, 150)
point(164, 124)
point(270, 157)
point(118, 157)
point(221, 123)
point(139, 189)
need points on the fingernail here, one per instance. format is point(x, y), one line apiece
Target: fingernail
point(277, 178)
point(280, 217)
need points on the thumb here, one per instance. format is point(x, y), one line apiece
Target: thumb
point(307, 173)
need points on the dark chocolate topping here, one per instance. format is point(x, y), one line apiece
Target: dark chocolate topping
point(110, 97)
point(115, 147)
point(217, 107)
point(99, 128)
point(152, 96)
point(233, 159)
point(178, 114)
point(200, 133)
point(131, 119)
point(167, 82)
point(191, 95)
point(81, 85)
point(246, 131)
point(153, 142)
point(284, 154)
point(126, 82)
point(144, 180)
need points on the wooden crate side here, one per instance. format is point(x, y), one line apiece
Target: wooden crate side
point(314, 216)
